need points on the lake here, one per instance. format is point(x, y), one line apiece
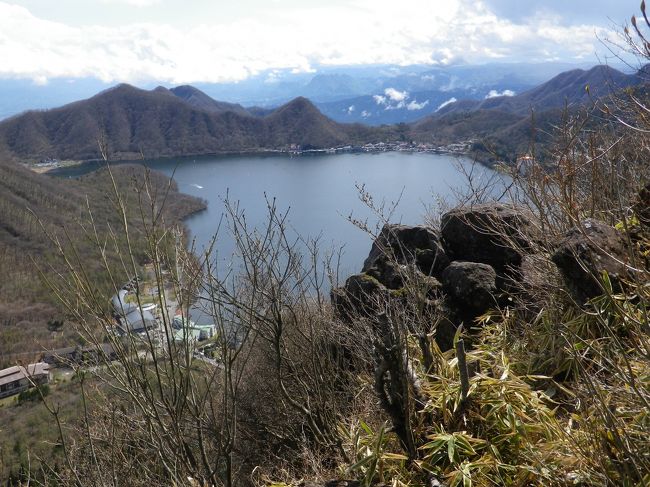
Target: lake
point(320, 192)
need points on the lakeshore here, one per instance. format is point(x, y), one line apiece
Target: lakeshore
point(461, 149)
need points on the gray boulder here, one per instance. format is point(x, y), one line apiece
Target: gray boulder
point(495, 234)
point(389, 273)
point(471, 287)
point(585, 252)
point(407, 245)
point(360, 296)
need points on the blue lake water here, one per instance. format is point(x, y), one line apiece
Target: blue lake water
point(318, 191)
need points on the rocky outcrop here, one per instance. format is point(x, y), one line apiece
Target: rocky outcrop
point(484, 256)
point(457, 273)
point(495, 234)
point(585, 252)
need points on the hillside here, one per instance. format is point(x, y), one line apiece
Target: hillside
point(131, 122)
point(27, 309)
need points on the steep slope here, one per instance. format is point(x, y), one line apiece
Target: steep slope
point(32, 205)
point(129, 123)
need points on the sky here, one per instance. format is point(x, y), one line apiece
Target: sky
point(185, 41)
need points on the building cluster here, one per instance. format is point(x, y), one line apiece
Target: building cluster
point(455, 148)
point(131, 318)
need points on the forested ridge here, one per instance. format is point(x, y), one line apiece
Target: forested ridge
point(130, 122)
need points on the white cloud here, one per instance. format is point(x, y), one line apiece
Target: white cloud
point(273, 77)
point(396, 95)
point(445, 103)
point(133, 3)
point(495, 93)
point(278, 36)
point(40, 80)
point(393, 99)
point(366, 114)
point(351, 109)
point(414, 105)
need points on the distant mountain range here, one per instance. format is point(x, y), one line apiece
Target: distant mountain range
point(572, 87)
point(273, 88)
point(411, 96)
point(129, 122)
point(506, 123)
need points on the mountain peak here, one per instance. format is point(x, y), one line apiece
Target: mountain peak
point(161, 89)
point(117, 90)
point(183, 90)
point(121, 87)
point(198, 99)
point(299, 103)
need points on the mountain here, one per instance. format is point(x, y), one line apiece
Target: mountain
point(458, 126)
point(409, 97)
point(393, 106)
point(200, 100)
point(338, 83)
point(300, 120)
point(571, 87)
point(335, 86)
point(130, 123)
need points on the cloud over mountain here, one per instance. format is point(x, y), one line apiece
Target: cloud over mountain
point(393, 99)
point(445, 103)
point(495, 93)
